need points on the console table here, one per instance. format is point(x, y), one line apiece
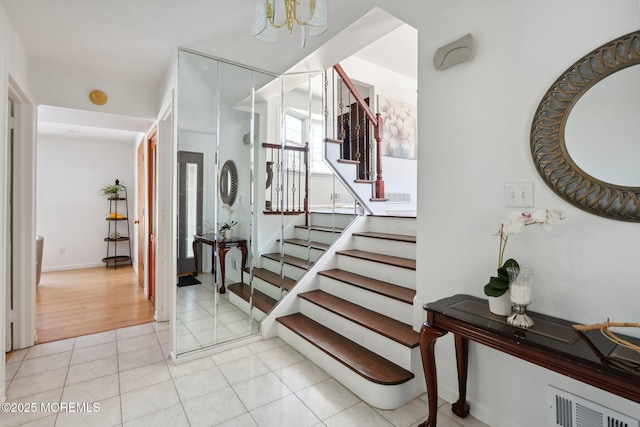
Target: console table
point(552, 343)
point(221, 247)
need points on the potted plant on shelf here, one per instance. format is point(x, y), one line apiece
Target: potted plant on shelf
point(497, 290)
point(112, 190)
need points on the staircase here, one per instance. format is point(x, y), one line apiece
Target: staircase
point(355, 319)
point(305, 246)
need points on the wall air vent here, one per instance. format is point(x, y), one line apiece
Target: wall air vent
point(398, 197)
point(568, 410)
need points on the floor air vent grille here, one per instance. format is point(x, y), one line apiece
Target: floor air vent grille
point(568, 410)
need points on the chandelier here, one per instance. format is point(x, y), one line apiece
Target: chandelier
point(310, 15)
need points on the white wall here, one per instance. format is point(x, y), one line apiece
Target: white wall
point(72, 212)
point(13, 50)
point(474, 126)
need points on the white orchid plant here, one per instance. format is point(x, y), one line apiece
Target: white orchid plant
point(516, 222)
point(230, 223)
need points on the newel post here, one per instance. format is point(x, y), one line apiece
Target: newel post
point(377, 134)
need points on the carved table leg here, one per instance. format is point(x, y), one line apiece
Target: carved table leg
point(222, 252)
point(243, 250)
point(194, 245)
point(461, 408)
point(428, 337)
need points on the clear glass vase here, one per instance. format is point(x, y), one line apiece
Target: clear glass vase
point(520, 288)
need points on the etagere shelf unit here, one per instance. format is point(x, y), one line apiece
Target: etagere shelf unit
point(118, 231)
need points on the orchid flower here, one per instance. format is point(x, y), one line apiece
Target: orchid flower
point(517, 221)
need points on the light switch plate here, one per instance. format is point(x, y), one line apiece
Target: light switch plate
point(518, 195)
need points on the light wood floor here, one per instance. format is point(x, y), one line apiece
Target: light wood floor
point(72, 303)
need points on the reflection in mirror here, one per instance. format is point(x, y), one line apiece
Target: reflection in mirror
point(268, 213)
point(215, 124)
point(300, 198)
point(600, 134)
point(228, 183)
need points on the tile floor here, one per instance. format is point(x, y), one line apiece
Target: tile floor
point(127, 372)
point(206, 318)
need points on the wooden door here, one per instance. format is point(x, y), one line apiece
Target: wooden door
point(140, 220)
point(151, 203)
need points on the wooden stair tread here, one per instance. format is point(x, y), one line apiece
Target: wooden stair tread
point(321, 228)
point(387, 236)
point(272, 278)
point(261, 301)
point(386, 326)
point(380, 258)
point(359, 359)
point(349, 162)
point(291, 260)
point(399, 293)
point(306, 243)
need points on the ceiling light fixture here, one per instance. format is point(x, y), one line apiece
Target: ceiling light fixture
point(310, 15)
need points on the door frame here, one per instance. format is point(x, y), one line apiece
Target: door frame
point(24, 221)
point(165, 216)
point(24, 249)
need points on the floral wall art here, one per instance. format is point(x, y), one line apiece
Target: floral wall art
point(399, 130)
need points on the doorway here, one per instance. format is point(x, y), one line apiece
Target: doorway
point(190, 178)
point(79, 153)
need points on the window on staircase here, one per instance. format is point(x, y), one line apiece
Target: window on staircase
point(297, 127)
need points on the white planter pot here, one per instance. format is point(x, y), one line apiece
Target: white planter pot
point(500, 305)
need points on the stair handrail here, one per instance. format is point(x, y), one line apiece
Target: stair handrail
point(376, 120)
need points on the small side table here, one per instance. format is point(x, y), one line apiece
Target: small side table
point(551, 343)
point(221, 247)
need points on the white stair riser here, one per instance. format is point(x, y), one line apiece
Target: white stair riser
point(386, 273)
point(243, 305)
point(393, 225)
point(289, 270)
point(389, 307)
point(385, 246)
point(266, 288)
point(328, 219)
point(326, 237)
point(379, 344)
point(376, 395)
point(303, 252)
point(339, 220)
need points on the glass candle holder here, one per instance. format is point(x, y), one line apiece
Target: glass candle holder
point(520, 298)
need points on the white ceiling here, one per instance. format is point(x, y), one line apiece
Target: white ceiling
point(135, 42)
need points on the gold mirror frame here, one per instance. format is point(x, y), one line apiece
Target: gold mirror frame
point(548, 148)
point(228, 183)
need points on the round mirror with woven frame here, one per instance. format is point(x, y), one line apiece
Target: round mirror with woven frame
point(228, 183)
point(548, 148)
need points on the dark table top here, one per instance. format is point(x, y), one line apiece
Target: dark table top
point(549, 334)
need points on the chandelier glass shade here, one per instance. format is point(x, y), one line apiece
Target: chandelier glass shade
point(274, 15)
